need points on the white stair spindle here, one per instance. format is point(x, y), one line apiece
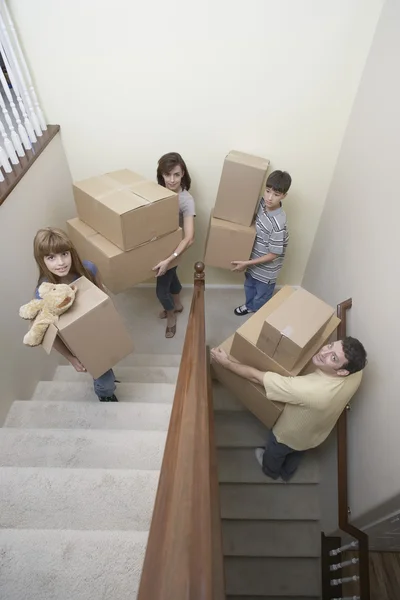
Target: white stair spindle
point(21, 129)
point(337, 551)
point(27, 123)
point(5, 163)
point(14, 135)
point(13, 62)
point(24, 67)
point(344, 580)
point(8, 145)
point(348, 598)
point(342, 565)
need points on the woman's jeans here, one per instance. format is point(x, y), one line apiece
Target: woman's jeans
point(168, 285)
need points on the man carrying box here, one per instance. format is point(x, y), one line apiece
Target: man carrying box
point(269, 247)
point(313, 402)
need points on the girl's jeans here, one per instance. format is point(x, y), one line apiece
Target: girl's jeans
point(104, 386)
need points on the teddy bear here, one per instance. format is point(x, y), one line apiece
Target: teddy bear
point(55, 300)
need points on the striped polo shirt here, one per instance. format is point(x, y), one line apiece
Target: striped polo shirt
point(272, 235)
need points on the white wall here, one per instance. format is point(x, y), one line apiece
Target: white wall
point(356, 254)
point(129, 81)
point(43, 197)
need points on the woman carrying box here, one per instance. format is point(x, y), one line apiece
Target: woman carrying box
point(172, 173)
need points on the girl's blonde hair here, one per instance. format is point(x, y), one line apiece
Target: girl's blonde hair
point(51, 240)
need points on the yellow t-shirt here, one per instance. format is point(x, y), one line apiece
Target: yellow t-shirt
point(313, 404)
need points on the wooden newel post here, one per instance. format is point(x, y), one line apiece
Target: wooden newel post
point(199, 271)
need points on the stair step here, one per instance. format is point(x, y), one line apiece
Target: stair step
point(224, 400)
point(100, 499)
point(272, 501)
point(82, 448)
point(239, 465)
point(70, 565)
point(138, 374)
point(271, 538)
point(273, 576)
point(34, 414)
point(239, 430)
point(150, 360)
point(83, 391)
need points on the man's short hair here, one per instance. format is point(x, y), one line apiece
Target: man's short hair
point(279, 181)
point(355, 355)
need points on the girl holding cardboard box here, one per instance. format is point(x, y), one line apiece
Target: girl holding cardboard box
point(59, 262)
point(172, 173)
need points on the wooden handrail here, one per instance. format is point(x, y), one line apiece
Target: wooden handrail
point(179, 559)
point(343, 504)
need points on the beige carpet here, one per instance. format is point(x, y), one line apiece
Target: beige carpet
point(78, 481)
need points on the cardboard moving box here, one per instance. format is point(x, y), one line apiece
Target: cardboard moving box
point(92, 330)
point(292, 328)
point(126, 209)
point(226, 242)
point(121, 270)
point(253, 396)
point(241, 186)
point(244, 346)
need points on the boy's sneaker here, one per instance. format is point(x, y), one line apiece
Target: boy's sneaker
point(240, 311)
point(112, 398)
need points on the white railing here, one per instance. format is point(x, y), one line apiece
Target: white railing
point(21, 118)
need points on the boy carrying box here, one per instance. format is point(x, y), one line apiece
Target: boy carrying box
point(269, 247)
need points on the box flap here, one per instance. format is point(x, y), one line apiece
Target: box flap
point(228, 226)
point(49, 338)
point(126, 177)
point(114, 190)
point(123, 201)
point(300, 317)
point(97, 187)
point(248, 159)
point(152, 192)
point(81, 227)
point(96, 239)
point(252, 327)
point(88, 297)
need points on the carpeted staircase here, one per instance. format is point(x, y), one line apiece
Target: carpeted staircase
point(78, 480)
point(271, 531)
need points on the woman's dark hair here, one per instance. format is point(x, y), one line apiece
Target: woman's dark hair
point(355, 354)
point(167, 163)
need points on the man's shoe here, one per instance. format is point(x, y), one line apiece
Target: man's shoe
point(112, 398)
point(259, 454)
point(240, 311)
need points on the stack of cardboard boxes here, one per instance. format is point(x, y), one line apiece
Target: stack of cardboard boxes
point(231, 231)
point(282, 337)
point(126, 226)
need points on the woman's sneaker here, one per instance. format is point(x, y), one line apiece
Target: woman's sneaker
point(112, 398)
point(240, 311)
